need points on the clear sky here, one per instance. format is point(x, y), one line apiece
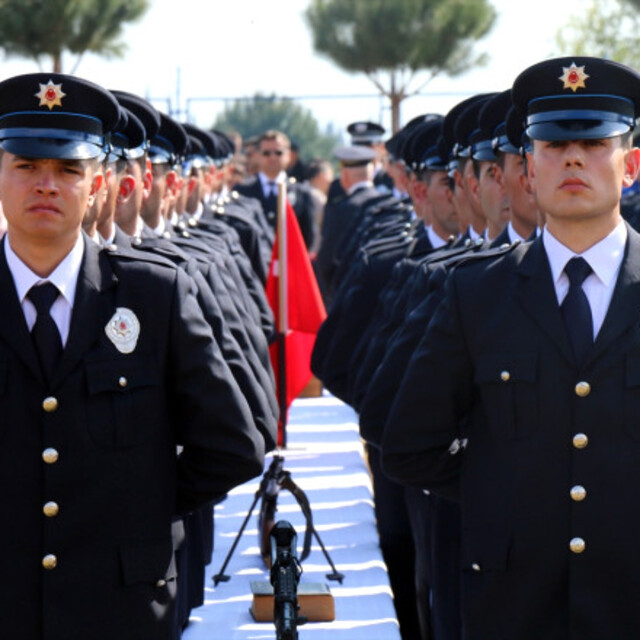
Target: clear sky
point(189, 54)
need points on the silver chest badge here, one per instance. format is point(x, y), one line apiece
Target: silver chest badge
point(123, 330)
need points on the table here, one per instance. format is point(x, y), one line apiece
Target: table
point(326, 459)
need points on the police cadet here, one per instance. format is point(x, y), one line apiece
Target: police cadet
point(466, 122)
point(527, 405)
point(114, 366)
point(523, 214)
point(356, 173)
point(370, 135)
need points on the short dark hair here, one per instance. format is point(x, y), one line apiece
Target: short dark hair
point(278, 136)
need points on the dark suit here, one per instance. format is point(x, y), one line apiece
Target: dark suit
point(496, 368)
point(338, 218)
point(300, 198)
point(114, 420)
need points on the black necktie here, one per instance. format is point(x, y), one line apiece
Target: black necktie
point(576, 311)
point(45, 334)
point(271, 201)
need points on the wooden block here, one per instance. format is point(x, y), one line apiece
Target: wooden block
point(314, 598)
point(313, 389)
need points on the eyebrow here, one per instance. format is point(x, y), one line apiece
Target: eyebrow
point(70, 162)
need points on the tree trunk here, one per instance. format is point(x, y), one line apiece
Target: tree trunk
point(396, 96)
point(57, 63)
point(396, 100)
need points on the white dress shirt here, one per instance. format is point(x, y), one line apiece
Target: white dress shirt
point(473, 234)
point(160, 229)
point(435, 240)
point(106, 242)
point(359, 185)
point(64, 277)
point(513, 234)
point(604, 258)
point(265, 182)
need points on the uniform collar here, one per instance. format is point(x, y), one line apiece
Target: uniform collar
point(64, 276)
point(604, 257)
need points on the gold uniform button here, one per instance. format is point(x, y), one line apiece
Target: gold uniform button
point(123, 382)
point(577, 545)
point(505, 376)
point(583, 389)
point(50, 455)
point(50, 561)
point(580, 441)
point(51, 509)
point(50, 404)
point(475, 566)
point(578, 493)
point(161, 583)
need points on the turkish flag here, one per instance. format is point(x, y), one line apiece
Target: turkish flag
point(305, 314)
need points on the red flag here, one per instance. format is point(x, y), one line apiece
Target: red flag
point(305, 314)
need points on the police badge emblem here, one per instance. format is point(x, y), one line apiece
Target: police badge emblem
point(573, 77)
point(123, 330)
point(50, 95)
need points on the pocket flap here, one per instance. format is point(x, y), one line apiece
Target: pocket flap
point(147, 561)
point(485, 550)
point(506, 367)
point(121, 375)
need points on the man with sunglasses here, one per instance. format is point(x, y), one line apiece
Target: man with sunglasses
point(273, 158)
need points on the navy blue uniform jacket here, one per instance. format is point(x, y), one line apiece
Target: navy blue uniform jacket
point(115, 421)
point(552, 455)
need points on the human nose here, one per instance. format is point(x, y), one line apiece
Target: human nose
point(573, 155)
point(46, 183)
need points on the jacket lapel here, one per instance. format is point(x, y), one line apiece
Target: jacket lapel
point(538, 298)
point(92, 309)
point(624, 309)
point(13, 327)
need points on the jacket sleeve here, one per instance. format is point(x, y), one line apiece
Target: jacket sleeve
point(221, 447)
point(422, 444)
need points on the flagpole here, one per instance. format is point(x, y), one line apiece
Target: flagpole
point(283, 307)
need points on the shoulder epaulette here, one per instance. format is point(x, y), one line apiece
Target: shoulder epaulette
point(140, 253)
point(473, 257)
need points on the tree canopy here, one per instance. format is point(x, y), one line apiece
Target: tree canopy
point(603, 28)
point(261, 113)
point(400, 38)
point(40, 29)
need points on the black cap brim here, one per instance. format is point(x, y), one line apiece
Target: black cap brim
point(51, 148)
point(576, 129)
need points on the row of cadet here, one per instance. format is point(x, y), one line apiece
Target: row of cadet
point(163, 202)
point(168, 194)
point(461, 193)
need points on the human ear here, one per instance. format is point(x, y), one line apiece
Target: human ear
point(631, 166)
point(126, 188)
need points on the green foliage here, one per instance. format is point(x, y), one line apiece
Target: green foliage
point(604, 28)
point(255, 116)
point(401, 38)
point(46, 28)
point(374, 35)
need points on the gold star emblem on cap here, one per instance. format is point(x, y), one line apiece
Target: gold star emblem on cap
point(50, 95)
point(573, 77)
